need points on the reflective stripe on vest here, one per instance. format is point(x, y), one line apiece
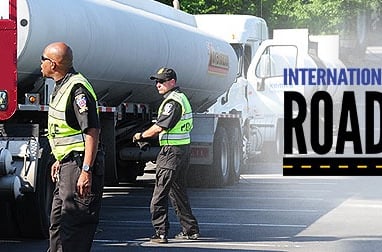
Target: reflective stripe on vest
point(63, 138)
point(180, 133)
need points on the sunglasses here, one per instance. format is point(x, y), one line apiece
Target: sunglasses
point(160, 81)
point(43, 58)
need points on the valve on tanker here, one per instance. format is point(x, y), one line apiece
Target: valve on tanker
point(176, 4)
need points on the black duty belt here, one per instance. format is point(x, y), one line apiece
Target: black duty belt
point(73, 156)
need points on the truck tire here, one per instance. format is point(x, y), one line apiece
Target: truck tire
point(236, 152)
point(219, 175)
point(33, 209)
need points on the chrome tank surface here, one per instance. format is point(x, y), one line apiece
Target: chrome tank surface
point(118, 46)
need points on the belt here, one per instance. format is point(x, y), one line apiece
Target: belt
point(73, 156)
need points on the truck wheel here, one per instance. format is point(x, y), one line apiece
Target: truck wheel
point(220, 167)
point(33, 209)
point(236, 155)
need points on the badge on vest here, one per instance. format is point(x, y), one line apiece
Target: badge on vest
point(81, 103)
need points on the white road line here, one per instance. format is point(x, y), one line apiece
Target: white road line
point(231, 190)
point(210, 224)
point(227, 209)
point(108, 195)
point(235, 190)
point(209, 243)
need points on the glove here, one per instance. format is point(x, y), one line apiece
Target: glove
point(144, 146)
point(137, 137)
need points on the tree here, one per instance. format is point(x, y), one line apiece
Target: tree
point(216, 6)
point(319, 16)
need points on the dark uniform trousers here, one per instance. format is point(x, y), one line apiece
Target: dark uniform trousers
point(171, 183)
point(73, 219)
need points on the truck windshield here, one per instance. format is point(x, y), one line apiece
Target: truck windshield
point(274, 59)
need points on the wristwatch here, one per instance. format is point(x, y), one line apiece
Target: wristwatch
point(86, 168)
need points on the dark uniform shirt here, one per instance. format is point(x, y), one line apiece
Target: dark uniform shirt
point(171, 113)
point(82, 111)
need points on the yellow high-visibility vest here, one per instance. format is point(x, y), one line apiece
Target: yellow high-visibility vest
point(62, 138)
point(180, 133)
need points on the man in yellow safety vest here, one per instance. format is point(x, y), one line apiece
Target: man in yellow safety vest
point(173, 127)
point(73, 133)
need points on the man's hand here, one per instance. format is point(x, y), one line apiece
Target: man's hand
point(137, 137)
point(84, 184)
point(54, 171)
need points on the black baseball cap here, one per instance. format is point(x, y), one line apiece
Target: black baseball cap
point(164, 74)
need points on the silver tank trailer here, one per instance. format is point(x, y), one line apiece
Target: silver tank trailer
point(118, 46)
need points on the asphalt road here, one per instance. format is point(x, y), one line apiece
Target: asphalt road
point(263, 212)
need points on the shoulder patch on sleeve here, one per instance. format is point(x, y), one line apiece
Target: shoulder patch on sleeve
point(167, 108)
point(81, 102)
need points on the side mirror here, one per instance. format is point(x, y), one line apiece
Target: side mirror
point(223, 100)
point(261, 85)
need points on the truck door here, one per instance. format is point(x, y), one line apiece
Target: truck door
point(266, 93)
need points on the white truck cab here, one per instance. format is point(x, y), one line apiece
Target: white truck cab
point(258, 92)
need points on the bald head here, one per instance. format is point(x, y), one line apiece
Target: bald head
point(61, 54)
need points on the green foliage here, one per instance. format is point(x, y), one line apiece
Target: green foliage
point(319, 16)
point(216, 6)
point(316, 15)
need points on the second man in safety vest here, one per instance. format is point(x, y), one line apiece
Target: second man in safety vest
point(173, 127)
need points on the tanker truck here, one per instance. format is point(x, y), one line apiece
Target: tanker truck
point(117, 45)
